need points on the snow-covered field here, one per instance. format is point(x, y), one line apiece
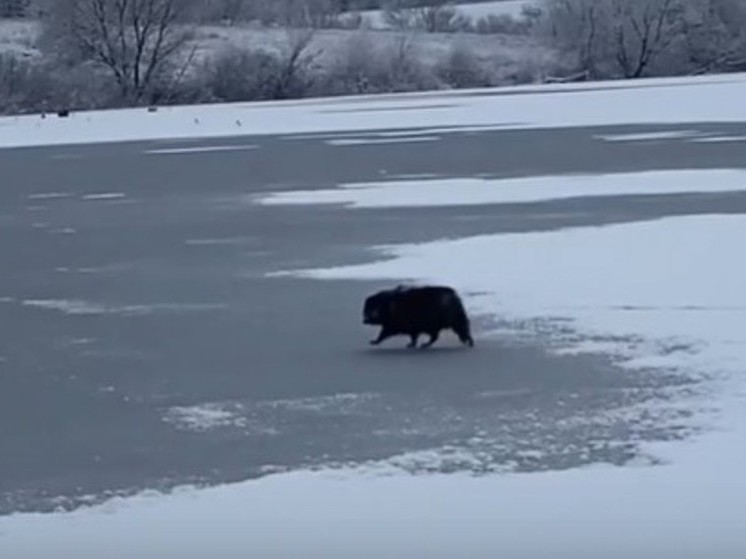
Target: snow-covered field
point(662, 293)
point(513, 8)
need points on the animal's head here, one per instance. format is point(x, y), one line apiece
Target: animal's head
point(378, 307)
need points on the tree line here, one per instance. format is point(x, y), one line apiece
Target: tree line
point(104, 53)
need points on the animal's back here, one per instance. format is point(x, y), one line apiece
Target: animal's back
point(432, 304)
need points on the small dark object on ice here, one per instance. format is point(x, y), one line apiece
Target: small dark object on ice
point(416, 310)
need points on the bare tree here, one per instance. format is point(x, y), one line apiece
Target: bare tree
point(462, 68)
point(135, 40)
point(615, 36)
point(643, 30)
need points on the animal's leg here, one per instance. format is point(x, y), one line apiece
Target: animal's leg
point(413, 342)
point(382, 335)
point(433, 338)
point(464, 335)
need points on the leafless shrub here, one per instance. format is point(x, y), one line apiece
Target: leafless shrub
point(240, 75)
point(462, 68)
point(32, 85)
point(364, 65)
point(252, 75)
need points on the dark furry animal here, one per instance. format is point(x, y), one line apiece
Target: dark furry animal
point(416, 310)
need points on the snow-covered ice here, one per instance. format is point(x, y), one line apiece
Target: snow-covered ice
point(83, 307)
point(478, 191)
point(671, 135)
point(644, 102)
point(719, 139)
point(689, 511)
point(204, 149)
point(48, 195)
point(203, 417)
point(105, 196)
point(674, 282)
point(671, 289)
point(373, 141)
point(671, 282)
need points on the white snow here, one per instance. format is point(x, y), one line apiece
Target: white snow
point(202, 418)
point(674, 281)
point(477, 191)
point(667, 511)
point(645, 102)
point(672, 135)
point(720, 139)
point(83, 307)
point(407, 133)
point(362, 142)
point(514, 8)
point(687, 135)
point(105, 196)
point(66, 306)
point(205, 149)
point(48, 195)
point(671, 290)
